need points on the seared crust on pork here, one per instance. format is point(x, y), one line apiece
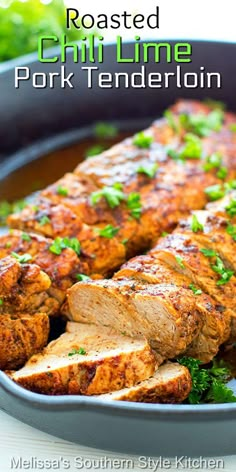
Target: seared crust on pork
point(171, 383)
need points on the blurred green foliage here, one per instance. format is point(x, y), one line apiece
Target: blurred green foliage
point(21, 23)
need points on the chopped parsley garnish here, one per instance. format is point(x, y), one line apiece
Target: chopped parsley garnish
point(220, 269)
point(208, 385)
point(173, 154)
point(108, 231)
point(208, 252)
point(218, 266)
point(63, 191)
point(215, 192)
point(231, 207)
point(171, 119)
point(25, 237)
point(196, 225)
point(94, 150)
point(213, 161)
point(112, 195)
point(232, 127)
point(105, 130)
point(23, 258)
point(142, 140)
point(1, 301)
point(231, 230)
point(222, 173)
point(134, 204)
point(8, 245)
point(65, 243)
point(202, 125)
point(180, 261)
point(149, 171)
point(163, 234)
point(82, 277)
point(195, 290)
point(81, 351)
point(192, 149)
point(124, 241)
point(44, 220)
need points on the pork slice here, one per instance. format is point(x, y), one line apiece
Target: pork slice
point(88, 360)
point(165, 314)
point(215, 318)
point(171, 383)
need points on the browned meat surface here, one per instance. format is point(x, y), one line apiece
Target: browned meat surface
point(87, 360)
point(21, 336)
point(215, 323)
point(165, 314)
point(24, 288)
point(171, 383)
point(61, 268)
point(213, 235)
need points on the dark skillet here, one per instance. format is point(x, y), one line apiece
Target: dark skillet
point(31, 124)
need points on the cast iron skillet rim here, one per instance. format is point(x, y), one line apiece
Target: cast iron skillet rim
point(69, 402)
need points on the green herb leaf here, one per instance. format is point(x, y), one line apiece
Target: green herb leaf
point(192, 149)
point(222, 173)
point(213, 161)
point(195, 290)
point(1, 302)
point(179, 259)
point(215, 192)
point(81, 351)
point(23, 258)
point(44, 220)
point(208, 385)
point(202, 125)
point(112, 195)
point(104, 130)
point(149, 171)
point(108, 231)
point(164, 234)
point(208, 252)
point(82, 277)
point(215, 104)
point(65, 243)
point(142, 140)
point(231, 230)
point(231, 207)
point(63, 191)
point(196, 225)
point(134, 204)
point(26, 237)
point(220, 269)
point(94, 150)
point(173, 154)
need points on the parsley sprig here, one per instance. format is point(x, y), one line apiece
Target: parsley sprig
point(108, 231)
point(134, 205)
point(22, 258)
point(112, 195)
point(65, 243)
point(150, 171)
point(218, 266)
point(142, 140)
point(195, 290)
point(208, 385)
point(81, 351)
point(202, 125)
point(196, 225)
